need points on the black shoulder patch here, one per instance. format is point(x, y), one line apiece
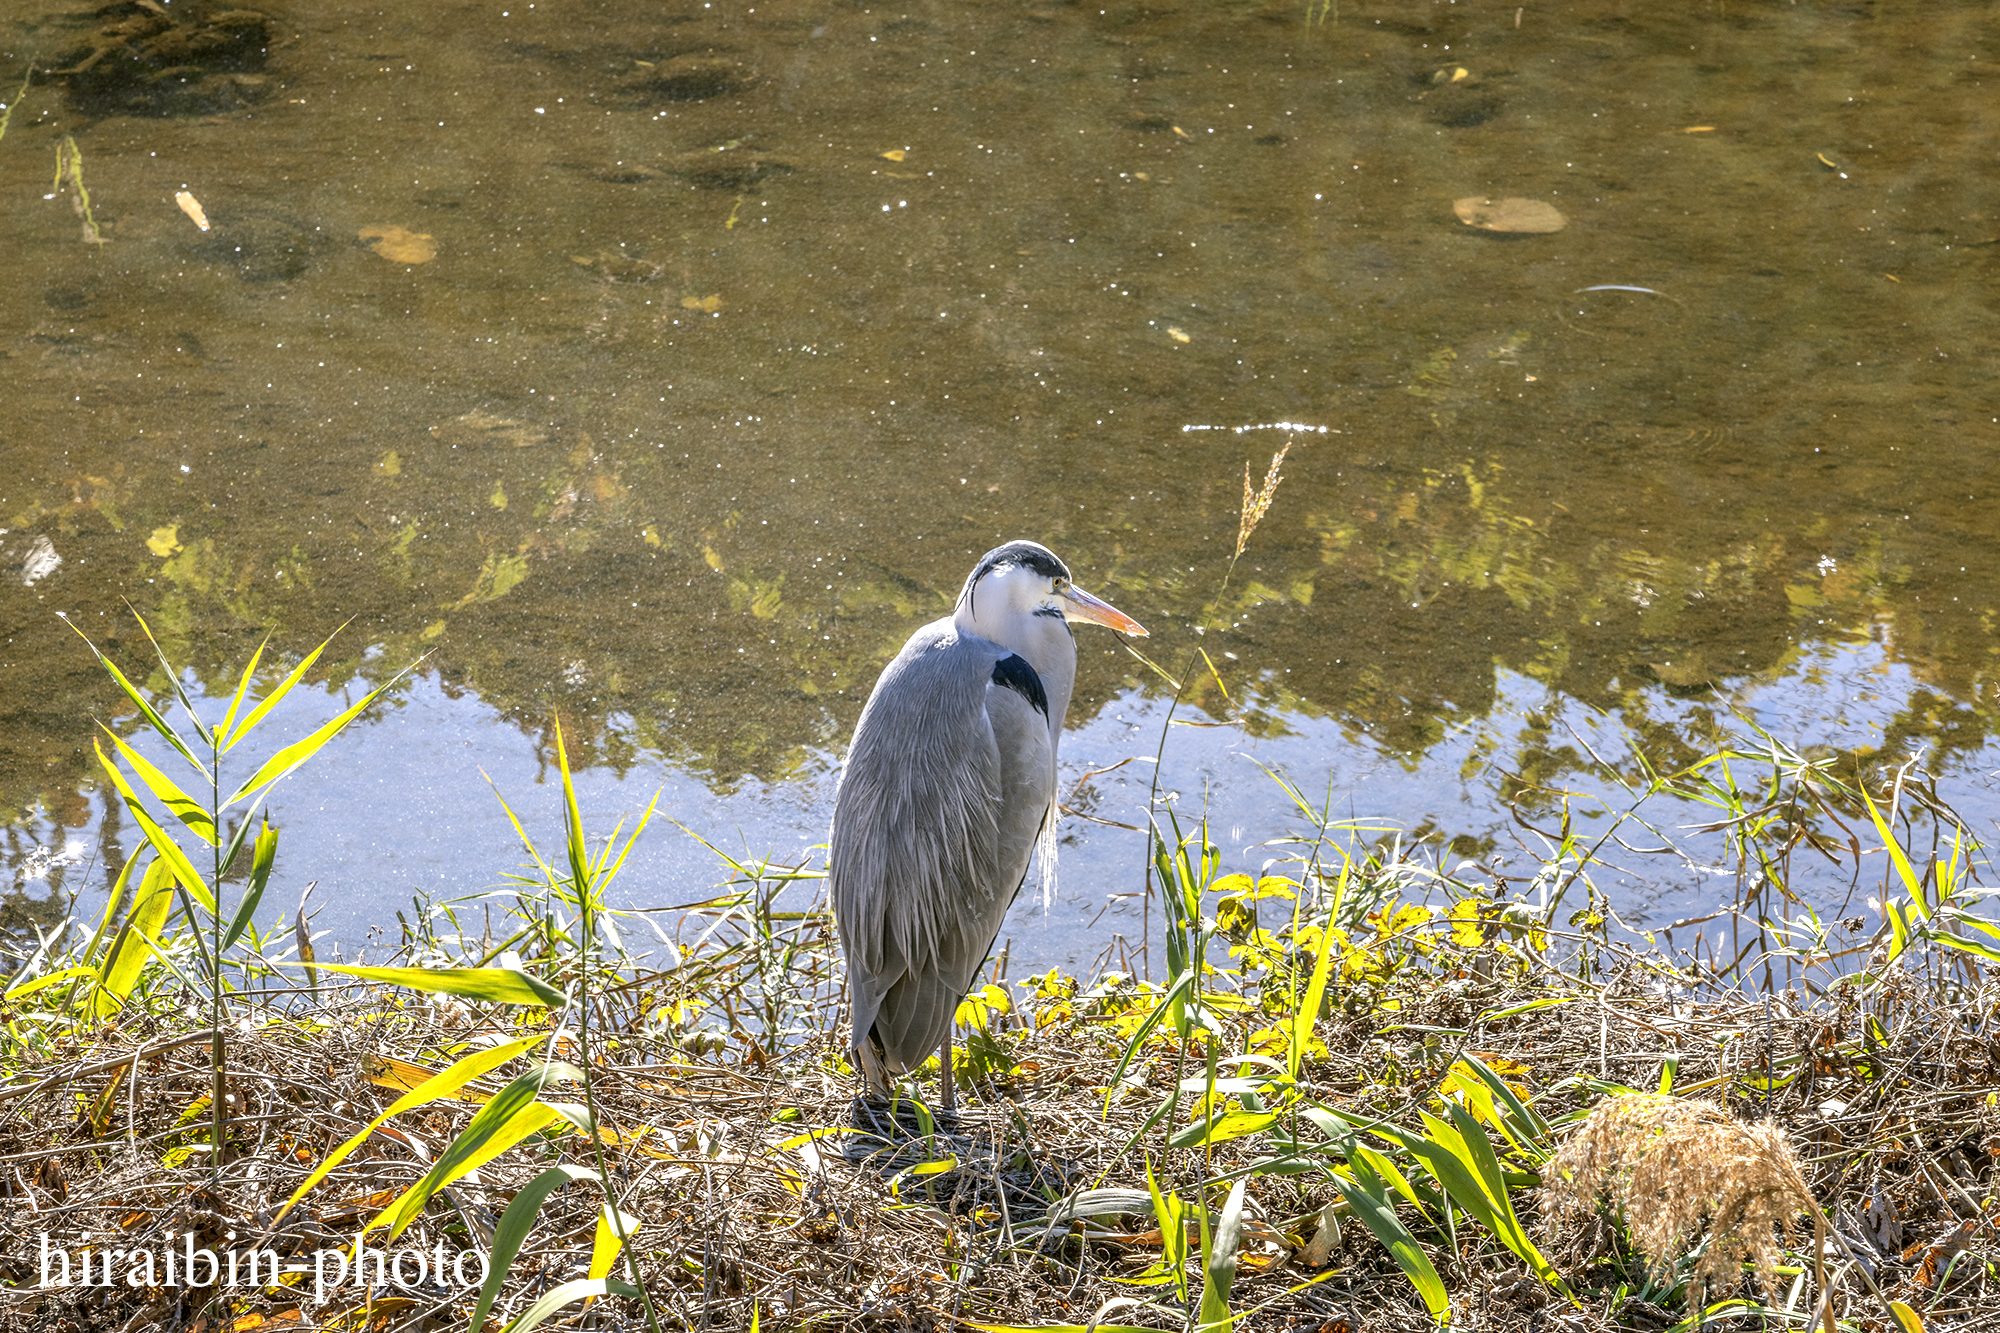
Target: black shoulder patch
point(1014, 672)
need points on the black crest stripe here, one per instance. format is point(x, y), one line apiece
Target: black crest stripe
point(1013, 672)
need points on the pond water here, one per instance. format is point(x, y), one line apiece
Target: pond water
point(664, 366)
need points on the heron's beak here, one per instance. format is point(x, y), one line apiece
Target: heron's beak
point(1082, 606)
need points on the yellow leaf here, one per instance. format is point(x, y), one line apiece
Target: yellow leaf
point(192, 207)
point(165, 541)
point(706, 304)
point(386, 1071)
point(896, 154)
point(1179, 335)
point(400, 245)
point(1466, 931)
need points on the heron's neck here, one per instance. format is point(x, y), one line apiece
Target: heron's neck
point(1048, 646)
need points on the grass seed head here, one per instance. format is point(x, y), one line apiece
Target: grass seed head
point(1257, 502)
point(1673, 1165)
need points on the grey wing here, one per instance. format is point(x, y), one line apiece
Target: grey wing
point(944, 791)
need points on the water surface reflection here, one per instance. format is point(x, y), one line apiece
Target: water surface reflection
point(666, 366)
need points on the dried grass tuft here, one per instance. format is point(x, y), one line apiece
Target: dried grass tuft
point(1257, 502)
point(1675, 1166)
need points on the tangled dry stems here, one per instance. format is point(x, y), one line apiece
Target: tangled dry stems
point(836, 1234)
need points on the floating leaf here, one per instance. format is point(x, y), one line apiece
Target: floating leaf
point(1524, 217)
point(192, 207)
point(399, 245)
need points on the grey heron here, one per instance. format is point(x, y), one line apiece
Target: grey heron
point(949, 784)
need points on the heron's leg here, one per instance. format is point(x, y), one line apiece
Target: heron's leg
point(948, 1096)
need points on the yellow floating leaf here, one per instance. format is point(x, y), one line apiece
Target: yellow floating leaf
point(499, 497)
point(1698, 129)
point(389, 465)
point(165, 541)
point(192, 207)
point(706, 304)
point(896, 154)
point(1524, 217)
point(400, 245)
point(1179, 335)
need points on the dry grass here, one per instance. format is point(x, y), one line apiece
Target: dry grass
point(1675, 1167)
point(738, 1217)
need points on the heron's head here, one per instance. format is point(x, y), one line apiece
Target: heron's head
point(1014, 584)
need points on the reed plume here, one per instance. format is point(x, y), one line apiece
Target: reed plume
point(1673, 1166)
point(1257, 502)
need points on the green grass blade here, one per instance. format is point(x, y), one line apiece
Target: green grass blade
point(144, 705)
point(1223, 1127)
point(496, 985)
point(1167, 1211)
point(262, 856)
point(1219, 1264)
point(169, 850)
point(1476, 1151)
point(289, 758)
point(1525, 1114)
point(1180, 986)
point(127, 956)
point(548, 871)
point(111, 907)
point(236, 838)
point(1372, 1207)
point(1463, 1160)
point(1057, 1328)
point(1308, 1014)
point(582, 1288)
point(606, 875)
point(1386, 1171)
point(270, 701)
point(511, 1115)
point(605, 1245)
point(173, 678)
point(1986, 951)
point(445, 1083)
point(1904, 870)
point(579, 854)
point(242, 689)
point(184, 807)
point(513, 1229)
point(302, 937)
point(27, 988)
